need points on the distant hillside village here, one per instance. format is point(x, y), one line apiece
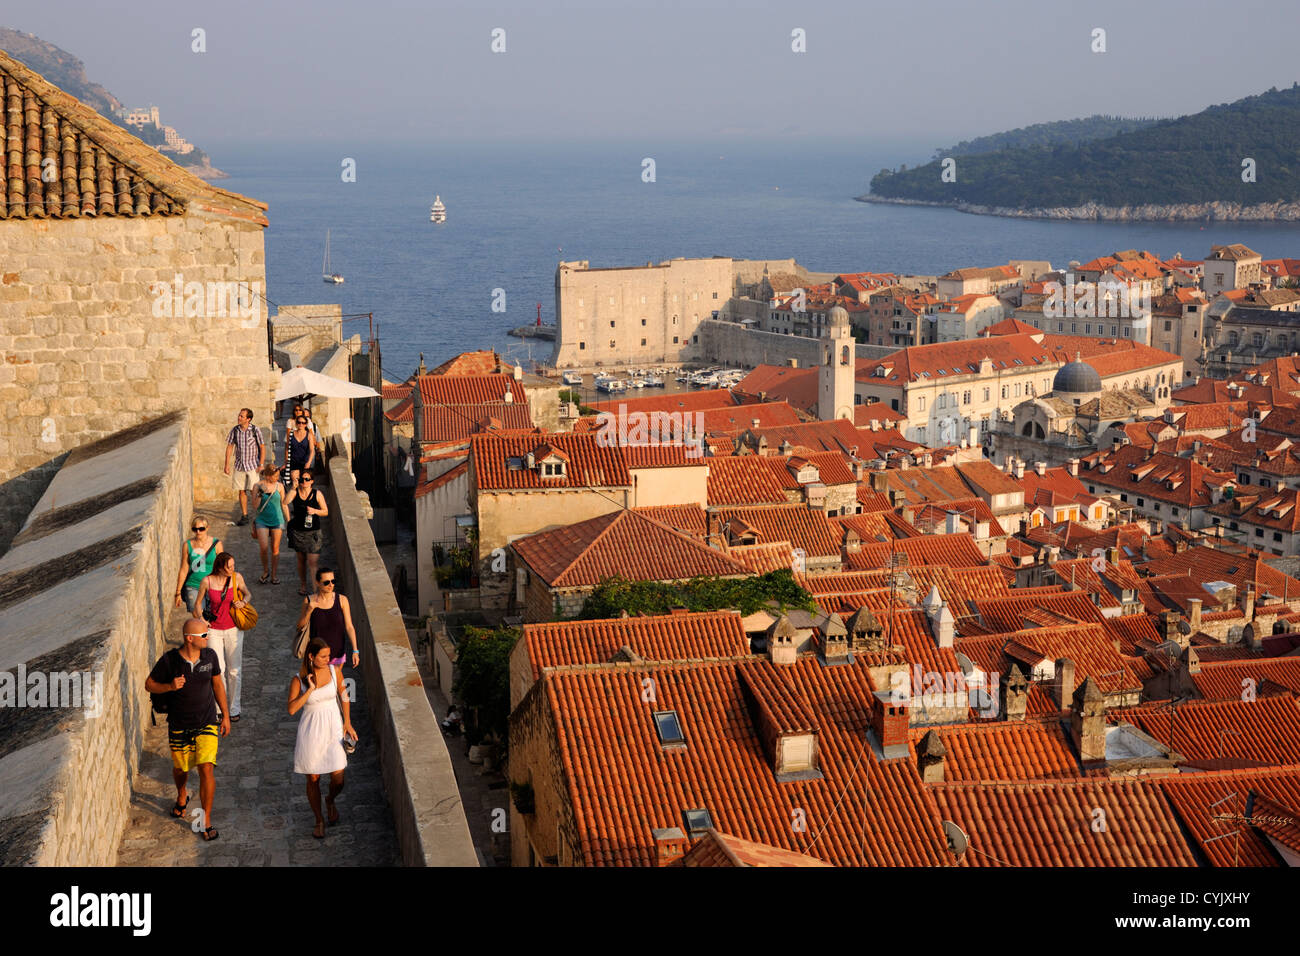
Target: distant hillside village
point(989, 568)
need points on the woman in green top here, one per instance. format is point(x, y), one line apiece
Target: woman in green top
point(269, 522)
point(197, 555)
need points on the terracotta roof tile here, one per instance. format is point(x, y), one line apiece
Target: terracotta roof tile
point(1004, 751)
point(624, 544)
point(99, 168)
point(622, 784)
point(1052, 824)
point(590, 465)
point(723, 849)
point(801, 526)
point(1198, 798)
point(1231, 680)
point(1264, 731)
point(665, 637)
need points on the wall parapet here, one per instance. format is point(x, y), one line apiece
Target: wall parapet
point(418, 775)
point(84, 601)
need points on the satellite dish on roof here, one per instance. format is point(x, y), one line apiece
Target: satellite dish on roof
point(964, 663)
point(957, 841)
point(1184, 627)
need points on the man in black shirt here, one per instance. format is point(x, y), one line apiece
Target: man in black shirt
point(190, 676)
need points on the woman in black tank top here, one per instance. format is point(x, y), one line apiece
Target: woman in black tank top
point(331, 619)
point(307, 509)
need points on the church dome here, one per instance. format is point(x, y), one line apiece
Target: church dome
point(1077, 377)
point(840, 314)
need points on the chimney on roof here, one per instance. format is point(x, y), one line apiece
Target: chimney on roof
point(1112, 554)
point(942, 624)
point(1190, 660)
point(786, 447)
point(1020, 468)
point(1088, 723)
point(952, 524)
point(780, 641)
point(929, 758)
point(833, 639)
point(1040, 468)
point(1248, 604)
point(1194, 614)
point(890, 715)
point(1015, 694)
point(1063, 683)
point(1072, 466)
point(927, 460)
point(670, 845)
point(420, 369)
point(907, 513)
point(1168, 626)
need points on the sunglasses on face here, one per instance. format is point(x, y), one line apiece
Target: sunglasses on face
point(201, 528)
point(327, 584)
point(202, 634)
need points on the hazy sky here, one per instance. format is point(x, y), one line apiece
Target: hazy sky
point(905, 72)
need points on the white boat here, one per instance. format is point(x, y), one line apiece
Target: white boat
point(571, 378)
point(325, 273)
point(437, 212)
point(704, 380)
point(636, 383)
point(654, 381)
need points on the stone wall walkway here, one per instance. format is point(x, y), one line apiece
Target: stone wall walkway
point(260, 808)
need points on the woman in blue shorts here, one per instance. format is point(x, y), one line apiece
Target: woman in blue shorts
point(269, 522)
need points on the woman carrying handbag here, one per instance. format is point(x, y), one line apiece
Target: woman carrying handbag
point(222, 594)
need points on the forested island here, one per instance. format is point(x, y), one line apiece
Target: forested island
point(1235, 161)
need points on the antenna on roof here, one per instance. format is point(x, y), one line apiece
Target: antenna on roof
point(957, 840)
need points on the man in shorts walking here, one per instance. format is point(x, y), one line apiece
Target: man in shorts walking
point(245, 442)
point(190, 675)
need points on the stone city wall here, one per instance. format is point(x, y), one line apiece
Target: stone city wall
point(86, 589)
point(418, 776)
point(734, 345)
point(83, 352)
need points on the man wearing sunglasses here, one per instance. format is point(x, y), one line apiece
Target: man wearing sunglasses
point(190, 676)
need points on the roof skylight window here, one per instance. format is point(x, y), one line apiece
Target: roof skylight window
point(697, 821)
point(669, 728)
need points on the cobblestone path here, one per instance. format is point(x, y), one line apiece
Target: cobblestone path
point(260, 808)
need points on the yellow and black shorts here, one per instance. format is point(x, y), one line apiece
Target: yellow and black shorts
point(193, 747)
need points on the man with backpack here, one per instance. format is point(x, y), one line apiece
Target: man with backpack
point(186, 685)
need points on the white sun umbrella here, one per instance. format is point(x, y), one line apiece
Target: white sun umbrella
point(303, 381)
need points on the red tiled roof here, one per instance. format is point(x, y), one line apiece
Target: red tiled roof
point(396, 391)
point(99, 168)
point(666, 637)
point(622, 784)
point(864, 415)
point(723, 849)
point(689, 519)
point(749, 480)
point(483, 362)
point(1178, 481)
point(1198, 798)
point(427, 485)
point(1232, 680)
point(590, 465)
point(1003, 751)
point(673, 402)
point(763, 558)
point(801, 526)
point(1010, 327)
point(1088, 645)
point(1206, 564)
point(1264, 731)
point(954, 550)
point(1052, 824)
point(624, 544)
point(780, 383)
point(457, 423)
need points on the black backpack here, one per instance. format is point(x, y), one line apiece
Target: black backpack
point(158, 703)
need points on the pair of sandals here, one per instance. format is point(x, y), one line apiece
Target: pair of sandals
point(178, 811)
point(265, 577)
point(319, 830)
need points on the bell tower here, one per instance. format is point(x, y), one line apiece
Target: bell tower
point(836, 376)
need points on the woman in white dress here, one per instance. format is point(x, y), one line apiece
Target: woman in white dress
point(321, 729)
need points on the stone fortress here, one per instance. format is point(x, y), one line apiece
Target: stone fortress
point(653, 313)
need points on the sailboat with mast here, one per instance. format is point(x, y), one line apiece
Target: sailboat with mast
point(334, 278)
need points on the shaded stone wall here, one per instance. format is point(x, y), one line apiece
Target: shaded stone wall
point(734, 345)
point(550, 831)
point(87, 588)
point(83, 354)
point(418, 777)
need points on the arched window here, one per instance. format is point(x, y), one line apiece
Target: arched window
point(1028, 430)
point(844, 355)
